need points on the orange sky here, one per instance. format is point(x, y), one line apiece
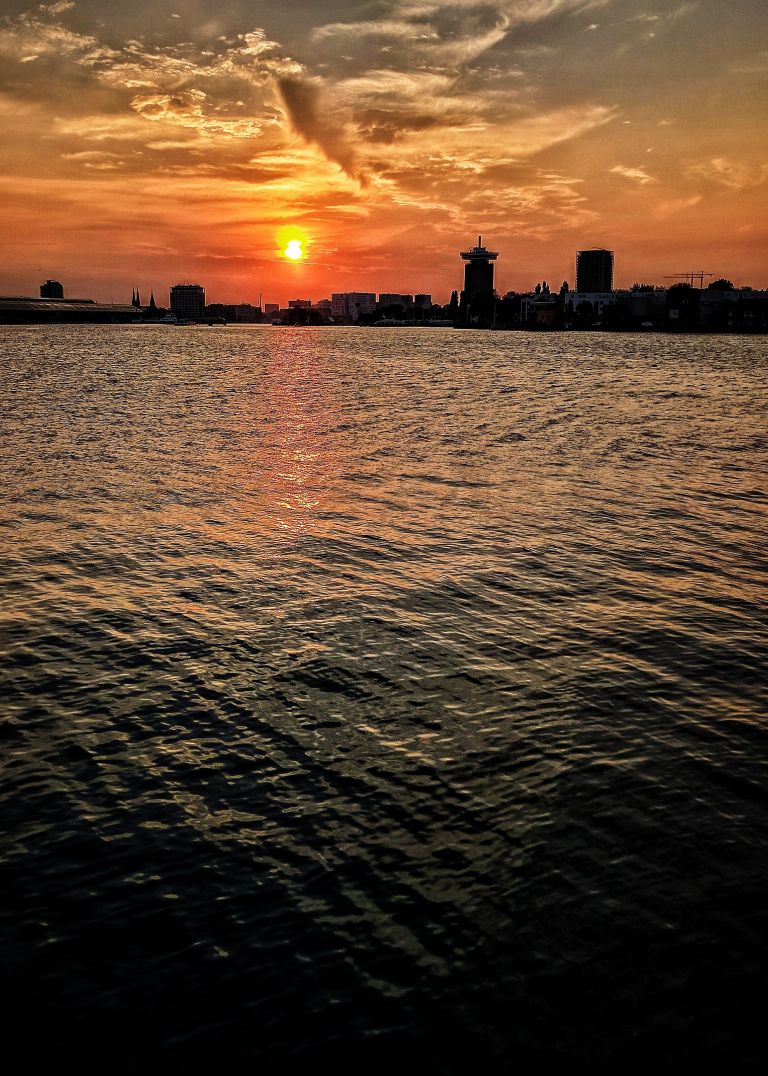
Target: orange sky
point(189, 141)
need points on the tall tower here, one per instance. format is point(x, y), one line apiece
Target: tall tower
point(478, 272)
point(594, 270)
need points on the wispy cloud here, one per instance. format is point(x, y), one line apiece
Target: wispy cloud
point(639, 175)
point(738, 175)
point(673, 207)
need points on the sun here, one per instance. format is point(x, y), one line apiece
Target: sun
point(294, 250)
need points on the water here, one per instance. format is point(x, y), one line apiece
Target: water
point(383, 696)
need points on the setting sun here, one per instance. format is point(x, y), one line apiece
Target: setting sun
point(294, 250)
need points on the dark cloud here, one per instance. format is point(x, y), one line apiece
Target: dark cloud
point(384, 126)
point(304, 104)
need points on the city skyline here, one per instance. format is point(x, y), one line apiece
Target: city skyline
point(203, 143)
point(588, 262)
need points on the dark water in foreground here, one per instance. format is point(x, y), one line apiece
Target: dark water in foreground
point(383, 696)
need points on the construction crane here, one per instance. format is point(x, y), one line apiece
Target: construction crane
point(696, 274)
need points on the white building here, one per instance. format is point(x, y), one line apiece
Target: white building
point(598, 299)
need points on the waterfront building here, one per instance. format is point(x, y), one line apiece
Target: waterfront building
point(478, 272)
point(643, 308)
point(272, 309)
point(188, 301)
point(594, 270)
point(25, 310)
point(539, 310)
point(299, 304)
point(349, 305)
point(598, 300)
point(422, 301)
point(246, 313)
point(52, 289)
point(395, 299)
point(742, 308)
point(234, 312)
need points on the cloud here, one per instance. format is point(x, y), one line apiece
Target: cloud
point(90, 155)
point(310, 120)
point(28, 38)
point(57, 8)
point(406, 13)
point(456, 31)
point(675, 206)
point(190, 108)
point(536, 133)
point(734, 174)
point(639, 175)
point(386, 127)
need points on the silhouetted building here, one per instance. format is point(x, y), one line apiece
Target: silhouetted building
point(539, 311)
point(478, 272)
point(392, 298)
point(188, 300)
point(246, 312)
point(299, 304)
point(24, 310)
point(52, 289)
point(594, 270)
point(422, 301)
point(349, 305)
point(587, 307)
point(136, 299)
point(272, 309)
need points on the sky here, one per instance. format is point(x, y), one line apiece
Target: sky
point(156, 142)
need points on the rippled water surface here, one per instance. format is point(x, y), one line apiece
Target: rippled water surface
point(383, 695)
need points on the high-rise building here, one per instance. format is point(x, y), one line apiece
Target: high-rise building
point(52, 289)
point(478, 272)
point(594, 270)
point(188, 300)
